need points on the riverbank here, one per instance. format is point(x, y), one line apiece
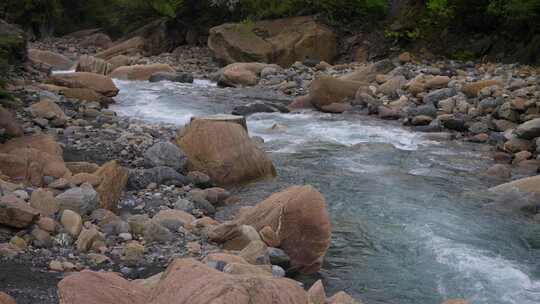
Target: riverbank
point(89, 132)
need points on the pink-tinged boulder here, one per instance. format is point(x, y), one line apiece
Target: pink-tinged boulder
point(342, 298)
point(6, 299)
point(16, 213)
point(188, 281)
point(55, 60)
point(140, 72)
point(292, 214)
point(89, 287)
point(99, 83)
point(9, 123)
point(220, 147)
point(29, 158)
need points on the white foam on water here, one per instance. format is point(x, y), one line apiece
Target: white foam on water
point(480, 276)
point(311, 126)
point(62, 72)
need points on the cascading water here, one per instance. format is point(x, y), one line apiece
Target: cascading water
point(410, 221)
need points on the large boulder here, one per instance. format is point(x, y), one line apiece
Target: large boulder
point(118, 61)
point(222, 149)
point(242, 74)
point(281, 41)
point(529, 129)
point(83, 199)
point(132, 46)
point(140, 72)
point(93, 65)
point(99, 83)
point(55, 60)
point(185, 281)
point(29, 158)
point(113, 181)
point(13, 44)
point(89, 287)
point(189, 281)
point(10, 125)
point(16, 213)
point(292, 215)
point(46, 108)
point(328, 90)
point(165, 154)
point(528, 185)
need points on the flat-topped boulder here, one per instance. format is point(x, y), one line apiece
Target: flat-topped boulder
point(99, 83)
point(132, 46)
point(281, 41)
point(242, 74)
point(55, 60)
point(326, 90)
point(140, 72)
point(221, 148)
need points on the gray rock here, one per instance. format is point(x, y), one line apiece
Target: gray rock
point(165, 154)
point(529, 129)
point(154, 232)
point(427, 110)
point(258, 107)
point(184, 205)
point(83, 199)
point(435, 96)
point(479, 127)
point(140, 178)
point(174, 77)
point(278, 272)
point(506, 111)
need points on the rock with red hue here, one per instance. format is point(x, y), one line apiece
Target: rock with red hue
point(89, 287)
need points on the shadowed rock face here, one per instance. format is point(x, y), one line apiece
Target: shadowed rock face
point(223, 150)
point(282, 41)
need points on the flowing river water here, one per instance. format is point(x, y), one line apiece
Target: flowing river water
point(411, 223)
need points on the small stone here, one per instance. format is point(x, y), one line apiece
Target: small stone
point(278, 257)
point(87, 238)
point(83, 199)
point(278, 272)
point(68, 266)
point(41, 238)
point(97, 258)
point(21, 194)
point(44, 201)
point(194, 248)
point(18, 242)
point(56, 265)
point(133, 253)
point(316, 293)
point(256, 253)
point(72, 222)
point(47, 224)
point(125, 236)
point(60, 184)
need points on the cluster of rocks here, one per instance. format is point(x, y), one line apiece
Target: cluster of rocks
point(85, 189)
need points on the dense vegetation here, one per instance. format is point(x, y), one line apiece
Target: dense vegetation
point(44, 16)
point(416, 20)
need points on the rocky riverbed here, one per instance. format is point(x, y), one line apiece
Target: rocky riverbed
point(92, 185)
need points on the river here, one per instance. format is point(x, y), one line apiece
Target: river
point(411, 221)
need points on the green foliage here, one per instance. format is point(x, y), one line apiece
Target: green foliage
point(39, 16)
